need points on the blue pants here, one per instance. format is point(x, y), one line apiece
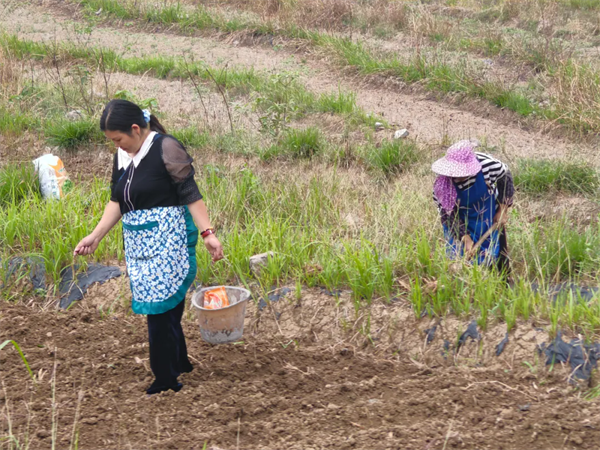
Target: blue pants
point(168, 352)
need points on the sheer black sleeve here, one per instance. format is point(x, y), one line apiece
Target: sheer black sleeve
point(179, 165)
point(506, 189)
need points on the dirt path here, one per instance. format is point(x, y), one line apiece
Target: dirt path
point(265, 394)
point(179, 101)
point(428, 120)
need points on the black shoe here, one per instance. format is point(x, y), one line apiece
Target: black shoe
point(187, 368)
point(156, 388)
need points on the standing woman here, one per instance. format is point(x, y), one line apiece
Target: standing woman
point(474, 191)
point(153, 191)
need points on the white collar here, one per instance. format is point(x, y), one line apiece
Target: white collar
point(124, 159)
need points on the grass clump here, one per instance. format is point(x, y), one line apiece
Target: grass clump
point(70, 135)
point(17, 183)
point(15, 123)
point(541, 176)
point(305, 143)
point(392, 156)
point(191, 137)
point(588, 5)
point(557, 250)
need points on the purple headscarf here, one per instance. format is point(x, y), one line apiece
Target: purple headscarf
point(445, 192)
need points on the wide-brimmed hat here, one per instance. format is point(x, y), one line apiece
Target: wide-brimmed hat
point(460, 161)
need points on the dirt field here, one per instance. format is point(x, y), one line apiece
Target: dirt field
point(270, 393)
point(312, 371)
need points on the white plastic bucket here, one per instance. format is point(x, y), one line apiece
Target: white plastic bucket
point(224, 325)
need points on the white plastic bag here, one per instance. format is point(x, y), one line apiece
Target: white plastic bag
point(54, 180)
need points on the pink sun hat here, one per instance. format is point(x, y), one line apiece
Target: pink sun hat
point(460, 161)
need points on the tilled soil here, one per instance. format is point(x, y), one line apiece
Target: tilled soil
point(266, 393)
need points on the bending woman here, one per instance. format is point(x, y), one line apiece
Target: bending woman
point(153, 191)
point(473, 191)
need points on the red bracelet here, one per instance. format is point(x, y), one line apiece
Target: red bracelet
point(207, 232)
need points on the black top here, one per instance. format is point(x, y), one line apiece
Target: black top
point(165, 177)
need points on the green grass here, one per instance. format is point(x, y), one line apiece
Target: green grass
point(392, 157)
point(588, 5)
point(592, 394)
point(298, 215)
point(192, 137)
point(71, 135)
point(14, 123)
point(51, 229)
point(549, 176)
point(305, 143)
point(17, 183)
point(558, 250)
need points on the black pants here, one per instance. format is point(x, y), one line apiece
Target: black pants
point(503, 262)
point(168, 352)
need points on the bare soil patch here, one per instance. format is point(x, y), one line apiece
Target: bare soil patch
point(263, 393)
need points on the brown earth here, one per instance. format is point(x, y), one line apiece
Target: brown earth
point(311, 373)
point(300, 384)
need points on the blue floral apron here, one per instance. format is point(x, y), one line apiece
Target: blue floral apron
point(476, 208)
point(160, 251)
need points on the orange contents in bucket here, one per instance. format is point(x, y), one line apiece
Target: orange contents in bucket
point(216, 298)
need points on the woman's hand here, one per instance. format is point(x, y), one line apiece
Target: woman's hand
point(468, 244)
point(214, 247)
point(87, 246)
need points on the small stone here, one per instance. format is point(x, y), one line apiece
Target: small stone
point(577, 440)
point(43, 434)
point(401, 134)
point(333, 406)
point(524, 407)
point(90, 421)
point(379, 126)
point(49, 334)
point(352, 221)
point(258, 262)
point(74, 115)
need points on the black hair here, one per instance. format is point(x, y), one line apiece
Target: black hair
point(121, 115)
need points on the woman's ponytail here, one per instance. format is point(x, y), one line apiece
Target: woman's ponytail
point(155, 125)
